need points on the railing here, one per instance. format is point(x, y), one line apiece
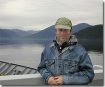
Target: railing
point(15, 69)
point(15, 75)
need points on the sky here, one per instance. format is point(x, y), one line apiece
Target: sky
point(40, 14)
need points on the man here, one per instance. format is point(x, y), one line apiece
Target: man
point(65, 62)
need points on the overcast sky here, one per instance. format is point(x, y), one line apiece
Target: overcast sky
point(40, 14)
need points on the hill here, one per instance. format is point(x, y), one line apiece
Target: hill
point(15, 33)
point(49, 33)
point(81, 26)
point(91, 37)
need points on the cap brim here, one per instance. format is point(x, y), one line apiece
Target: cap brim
point(62, 26)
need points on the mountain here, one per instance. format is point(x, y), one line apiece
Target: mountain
point(49, 32)
point(78, 27)
point(15, 33)
point(14, 36)
point(6, 33)
point(91, 38)
point(21, 33)
point(93, 32)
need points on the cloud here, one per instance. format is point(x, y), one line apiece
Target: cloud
point(39, 14)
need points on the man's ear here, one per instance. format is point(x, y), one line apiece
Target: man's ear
point(70, 30)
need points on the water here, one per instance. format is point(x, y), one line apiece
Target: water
point(30, 55)
point(96, 58)
point(27, 55)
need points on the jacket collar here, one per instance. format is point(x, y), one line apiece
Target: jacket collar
point(73, 40)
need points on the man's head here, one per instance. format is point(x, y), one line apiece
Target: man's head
point(63, 29)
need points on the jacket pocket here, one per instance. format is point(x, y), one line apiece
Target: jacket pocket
point(49, 62)
point(50, 65)
point(70, 66)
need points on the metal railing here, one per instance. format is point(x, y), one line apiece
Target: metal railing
point(15, 69)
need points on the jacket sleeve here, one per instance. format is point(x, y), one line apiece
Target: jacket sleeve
point(43, 70)
point(85, 74)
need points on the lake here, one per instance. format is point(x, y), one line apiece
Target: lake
point(30, 54)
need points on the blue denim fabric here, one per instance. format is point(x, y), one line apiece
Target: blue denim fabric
point(73, 64)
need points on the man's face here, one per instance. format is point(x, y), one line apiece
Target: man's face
point(63, 35)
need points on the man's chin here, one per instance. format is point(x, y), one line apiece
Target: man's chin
point(62, 41)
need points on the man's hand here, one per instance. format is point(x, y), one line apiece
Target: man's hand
point(59, 80)
point(51, 81)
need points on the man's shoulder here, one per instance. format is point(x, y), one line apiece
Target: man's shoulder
point(49, 46)
point(79, 48)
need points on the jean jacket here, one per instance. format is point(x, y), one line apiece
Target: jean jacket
point(73, 64)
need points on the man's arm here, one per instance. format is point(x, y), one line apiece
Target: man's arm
point(84, 76)
point(42, 69)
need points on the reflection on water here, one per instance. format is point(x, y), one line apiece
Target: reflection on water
point(29, 55)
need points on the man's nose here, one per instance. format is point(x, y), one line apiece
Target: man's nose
point(62, 33)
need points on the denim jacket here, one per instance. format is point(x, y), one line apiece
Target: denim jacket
point(73, 64)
